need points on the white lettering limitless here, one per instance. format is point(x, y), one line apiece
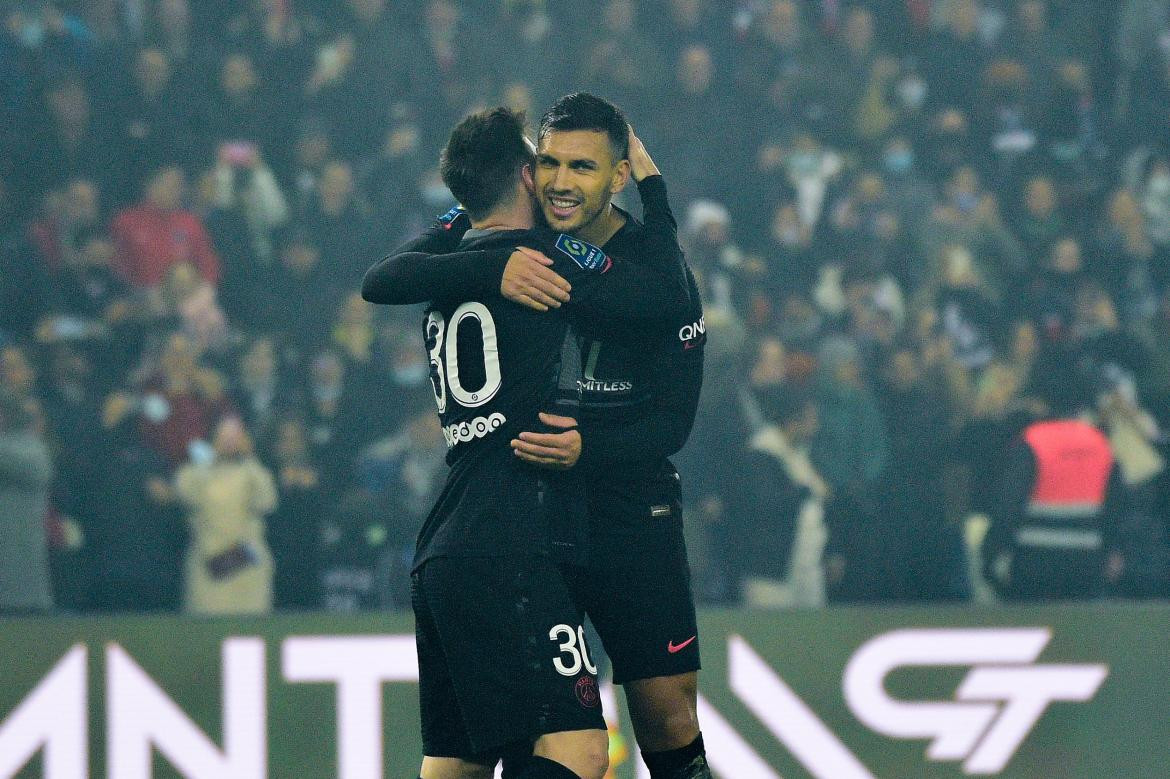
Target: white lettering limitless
point(605, 386)
point(470, 430)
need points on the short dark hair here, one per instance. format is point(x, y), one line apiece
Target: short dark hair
point(583, 111)
point(483, 157)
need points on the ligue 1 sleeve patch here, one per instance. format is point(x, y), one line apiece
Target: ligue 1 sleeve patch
point(588, 256)
point(448, 219)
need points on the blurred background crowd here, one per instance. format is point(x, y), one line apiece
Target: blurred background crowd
point(919, 226)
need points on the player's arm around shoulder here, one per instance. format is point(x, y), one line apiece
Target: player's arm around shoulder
point(407, 275)
point(530, 280)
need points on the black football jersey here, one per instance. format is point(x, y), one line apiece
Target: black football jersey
point(495, 365)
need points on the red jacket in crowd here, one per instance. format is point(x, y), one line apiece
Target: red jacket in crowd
point(151, 241)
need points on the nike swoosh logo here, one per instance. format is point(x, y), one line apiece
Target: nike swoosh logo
point(674, 648)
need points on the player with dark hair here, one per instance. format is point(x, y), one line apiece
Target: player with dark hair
point(502, 655)
point(638, 396)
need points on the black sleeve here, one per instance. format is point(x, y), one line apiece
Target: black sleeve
point(664, 252)
point(414, 274)
point(658, 432)
point(653, 288)
point(1019, 474)
point(1113, 513)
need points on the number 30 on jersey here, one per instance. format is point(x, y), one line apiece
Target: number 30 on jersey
point(445, 362)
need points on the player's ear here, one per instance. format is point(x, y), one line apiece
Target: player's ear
point(526, 177)
point(621, 176)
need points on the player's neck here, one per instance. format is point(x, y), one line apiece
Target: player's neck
point(605, 226)
point(515, 216)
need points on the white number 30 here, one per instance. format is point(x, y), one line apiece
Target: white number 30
point(569, 646)
point(445, 363)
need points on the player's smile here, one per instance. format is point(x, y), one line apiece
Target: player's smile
point(563, 206)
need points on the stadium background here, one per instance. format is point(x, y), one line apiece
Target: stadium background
point(901, 211)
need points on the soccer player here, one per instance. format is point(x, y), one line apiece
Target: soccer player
point(638, 395)
point(502, 655)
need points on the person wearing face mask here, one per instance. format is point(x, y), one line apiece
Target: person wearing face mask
point(229, 566)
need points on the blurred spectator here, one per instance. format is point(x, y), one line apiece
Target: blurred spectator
point(73, 212)
point(299, 306)
point(171, 29)
point(621, 58)
point(1142, 563)
point(1054, 289)
point(135, 533)
point(779, 500)
point(389, 178)
point(248, 209)
point(295, 529)
point(353, 331)
point(922, 554)
point(260, 392)
point(353, 552)
point(244, 181)
point(1040, 222)
point(157, 234)
point(336, 418)
point(181, 402)
point(69, 142)
point(340, 225)
point(405, 472)
point(18, 375)
point(1128, 262)
point(954, 55)
point(968, 313)
point(228, 495)
point(242, 111)
point(153, 117)
point(851, 452)
point(25, 473)
point(1054, 533)
point(697, 97)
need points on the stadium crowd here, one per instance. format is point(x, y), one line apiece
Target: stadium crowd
point(914, 223)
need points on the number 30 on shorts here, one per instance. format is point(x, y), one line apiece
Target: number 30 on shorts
point(574, 647)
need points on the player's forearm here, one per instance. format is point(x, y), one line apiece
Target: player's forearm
point(658, 431)
point(424, 270)
point(643, 441)
point(663, 252)
point(419, 276)
point(403, 276)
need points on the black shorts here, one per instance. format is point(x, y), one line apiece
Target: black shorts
point(636, 585)
point(501, 656)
